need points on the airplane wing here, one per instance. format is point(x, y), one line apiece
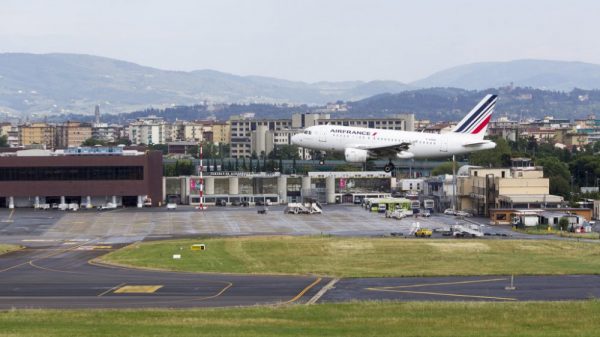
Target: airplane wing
point(386, 150)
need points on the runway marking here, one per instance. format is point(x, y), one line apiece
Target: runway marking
point(301, 293)
point(322, 292)
point(9, 219)
point(56, 252)
point(93, 247)
point(137, 289)
point(441, 283)
point(395, 289)
point(111, 289)
point(444, 294)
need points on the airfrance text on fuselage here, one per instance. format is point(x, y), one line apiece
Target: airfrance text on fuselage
point(353, 132)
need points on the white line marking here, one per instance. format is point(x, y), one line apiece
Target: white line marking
point(322, 292)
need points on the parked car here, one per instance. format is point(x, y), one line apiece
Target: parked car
point(235, 203)
point(221, 202)
point(426, 213)
point(245, 203)
point(171, 206)
point(463, 213)
point(450, 211)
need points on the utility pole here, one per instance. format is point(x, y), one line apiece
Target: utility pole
point(454, 201)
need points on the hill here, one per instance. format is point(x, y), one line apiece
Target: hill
point(447, 104)
point(541, 74)
point(72, 83)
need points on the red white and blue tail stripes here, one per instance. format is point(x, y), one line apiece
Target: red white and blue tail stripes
point(478, 118)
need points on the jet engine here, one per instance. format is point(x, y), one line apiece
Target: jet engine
point(405, 155)
point(356, 155)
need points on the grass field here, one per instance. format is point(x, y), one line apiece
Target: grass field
point(365, 257)
point(536, 231)
point(7, 248)
point(349, 319)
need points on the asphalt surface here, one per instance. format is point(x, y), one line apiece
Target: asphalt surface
point(476, 288)
point(63, 277)
point(55, 271)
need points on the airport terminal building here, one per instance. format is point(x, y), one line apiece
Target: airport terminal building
point(88, 177)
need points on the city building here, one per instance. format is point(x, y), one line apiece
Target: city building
point(221, 132)
point(248, 136)
point(188, 131)
point(72, 134)
point(481, 190)
point(106, 133)
point(37, 134)
point(149, 130)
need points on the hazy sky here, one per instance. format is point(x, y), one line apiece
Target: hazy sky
point(308, 40)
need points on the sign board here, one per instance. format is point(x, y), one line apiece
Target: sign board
point(176, 256)
point(342, 183)
point(195, 184)
point(198, 246)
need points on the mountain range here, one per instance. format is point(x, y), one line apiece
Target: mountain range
point(72, 83)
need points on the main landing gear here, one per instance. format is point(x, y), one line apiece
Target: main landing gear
point(389, 167)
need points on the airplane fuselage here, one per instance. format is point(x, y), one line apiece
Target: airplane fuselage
point(423, 145)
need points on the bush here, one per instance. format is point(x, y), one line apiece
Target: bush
point(563, 223)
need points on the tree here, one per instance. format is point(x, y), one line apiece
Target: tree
point(287, 152)
point(159, 147)
point(498, 157)
point(444, 168)
point(93, 142)
point(4, 141)
point(563, 223)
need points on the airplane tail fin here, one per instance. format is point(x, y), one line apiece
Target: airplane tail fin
point(477, 120)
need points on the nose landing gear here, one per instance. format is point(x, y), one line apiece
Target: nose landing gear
point(389, 167)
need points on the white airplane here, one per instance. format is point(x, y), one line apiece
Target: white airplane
point(360, 144)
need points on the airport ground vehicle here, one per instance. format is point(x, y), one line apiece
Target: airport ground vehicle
point(108, 205)
point(429, 204)
point(423, 232)
point(300, 208)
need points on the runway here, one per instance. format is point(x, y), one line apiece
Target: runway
point(62, 276)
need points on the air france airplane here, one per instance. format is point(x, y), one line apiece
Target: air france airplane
point(360, 144)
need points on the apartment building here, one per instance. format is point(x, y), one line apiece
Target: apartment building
point(249, 136)
point(105, 132)
point(149, 130)
point(37, 134)
point(72, 134)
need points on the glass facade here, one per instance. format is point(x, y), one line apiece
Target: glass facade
point(66, 173)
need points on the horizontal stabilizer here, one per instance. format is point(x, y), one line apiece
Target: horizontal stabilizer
point(477, 143)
